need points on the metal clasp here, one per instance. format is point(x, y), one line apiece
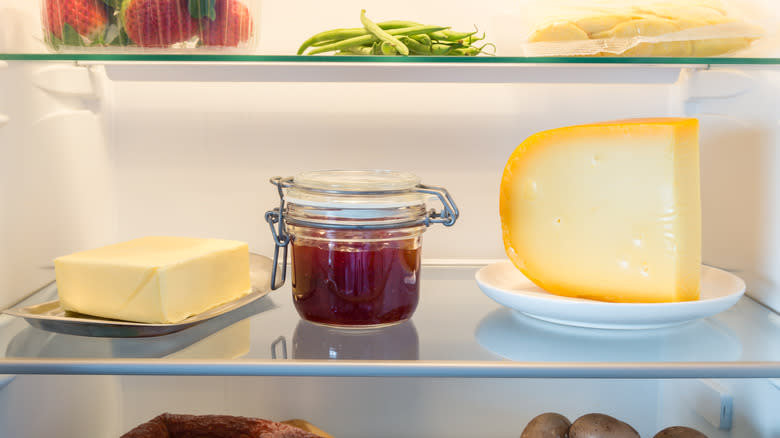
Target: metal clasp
point(448, 215)
point(280, 234)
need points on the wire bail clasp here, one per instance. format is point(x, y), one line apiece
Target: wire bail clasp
point(450, 212)
point(281, 237)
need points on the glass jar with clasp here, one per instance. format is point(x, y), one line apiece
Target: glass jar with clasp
point(355, 238)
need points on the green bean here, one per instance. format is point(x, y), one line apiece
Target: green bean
point(360, 50)
point(465, 51)
point(366, 39)
point(382, 35)
point(438, 35)
point(397, 24)
point(388, 49)
point(419, 48)
point(473, 39)
point(415, 46)
point(331, 35)
point(455, 36)
point(422, 39)
point(471, 50)
point(341, 34)
point(396, 37)
point(441, 49)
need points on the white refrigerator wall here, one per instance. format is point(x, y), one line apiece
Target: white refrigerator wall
point(55, 173)
point(195, 158)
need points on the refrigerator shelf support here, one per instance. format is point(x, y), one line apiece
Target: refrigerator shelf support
point(324, 72)
point(65, 80)
point(717, 84)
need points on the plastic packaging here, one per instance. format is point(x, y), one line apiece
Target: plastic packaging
point(642, 28)
point(149, 25)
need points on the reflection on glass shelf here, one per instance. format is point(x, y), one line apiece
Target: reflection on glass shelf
point(396, 342)
point(518, 337)
point(180, 57)
point(231, 342)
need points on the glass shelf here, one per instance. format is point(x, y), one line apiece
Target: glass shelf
point(251, 58)
point(201, 67)
point(456, 332)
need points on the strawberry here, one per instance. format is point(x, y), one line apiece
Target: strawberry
point(158, 23)
point(87, 17)
point(232, 26)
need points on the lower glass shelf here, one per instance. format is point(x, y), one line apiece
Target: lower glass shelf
point(457, 331)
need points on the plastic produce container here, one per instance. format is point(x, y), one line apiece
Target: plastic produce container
point(150, 25)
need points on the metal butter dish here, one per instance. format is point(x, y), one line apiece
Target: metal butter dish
point(52, 317)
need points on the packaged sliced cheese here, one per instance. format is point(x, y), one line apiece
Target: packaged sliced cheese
point(607, 211)
point(155, 279)
point(642, 28)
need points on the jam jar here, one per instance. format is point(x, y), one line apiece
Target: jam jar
point(355, 238)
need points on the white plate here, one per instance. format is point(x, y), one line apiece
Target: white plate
point(505, 284)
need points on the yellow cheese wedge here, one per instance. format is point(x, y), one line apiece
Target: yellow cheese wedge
point(608, 211)
point(153, 279)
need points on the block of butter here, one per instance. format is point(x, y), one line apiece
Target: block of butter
point(154, 279)
point(608, 211)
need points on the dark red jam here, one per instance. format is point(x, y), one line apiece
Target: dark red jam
point(356, 283)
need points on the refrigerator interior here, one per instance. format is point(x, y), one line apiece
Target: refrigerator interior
point(353, 407)
point(93, 153)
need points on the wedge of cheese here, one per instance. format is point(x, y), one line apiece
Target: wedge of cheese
point(608, 211)
point(153, 279)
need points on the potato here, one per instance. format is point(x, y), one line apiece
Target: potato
point(547, 425)
point(679, 432)
point(601, 426)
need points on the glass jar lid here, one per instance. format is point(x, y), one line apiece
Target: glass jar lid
point(354, 189)
point(347, 181)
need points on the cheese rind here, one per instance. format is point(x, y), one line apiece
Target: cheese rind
point(609, 211)
point(154, 279)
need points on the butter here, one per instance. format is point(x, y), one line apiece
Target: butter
point(153, 279)
point(608, 211)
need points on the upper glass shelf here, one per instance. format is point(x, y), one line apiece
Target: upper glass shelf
point(456, 331)
point(233, 58)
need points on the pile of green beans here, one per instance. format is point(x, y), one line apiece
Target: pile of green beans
point(395, 38)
